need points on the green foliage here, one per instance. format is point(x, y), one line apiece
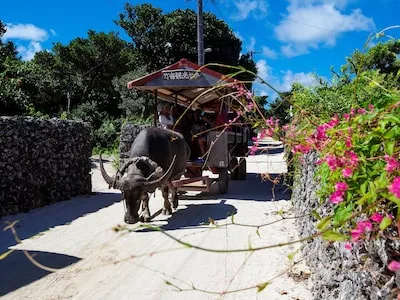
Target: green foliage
point(134, 104)
point(281, 109)
point(163, 39)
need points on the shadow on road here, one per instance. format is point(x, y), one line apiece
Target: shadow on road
point(252, 189)
point(195, 215)
point(44, 218)
point(17, 271)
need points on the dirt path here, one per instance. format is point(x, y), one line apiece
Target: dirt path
point(96, 262)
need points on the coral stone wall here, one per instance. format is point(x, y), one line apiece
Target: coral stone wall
point(337, 273)
point(42, 161)
point(128, 134)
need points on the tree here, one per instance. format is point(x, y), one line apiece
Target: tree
point(135, 104)
point(7, 49)
point(248, 63)
point(162, 39)
point(383, 57)
point(280, 108)
point(85, 69)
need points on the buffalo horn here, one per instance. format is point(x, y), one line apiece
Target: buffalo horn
point(152, 185)
point(108, 179)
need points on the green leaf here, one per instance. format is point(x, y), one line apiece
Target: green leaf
point(5, 254)
point(262, 286)
point(394, 200)
point(258, 232)
point(315, 214)
point(386, 222)
point(363, 188)
point(374, 149)
point(391, 133)
point(324, 223)
point(389, 147)
point(334, 236)
point(342, 213)
point(291, 255)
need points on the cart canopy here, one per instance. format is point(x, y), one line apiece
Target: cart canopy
point(184, 81)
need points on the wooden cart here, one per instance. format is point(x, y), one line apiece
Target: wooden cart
point(187, 84)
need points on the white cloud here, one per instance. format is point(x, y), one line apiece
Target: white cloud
point(25, 32)
point(291, 50)
point(27, 38)
point(264, 70)
point(306, 79)
point(281, 82)
point(269, 53)
point(27, 53)
point(246, 8)
point(252, 44)
point(312, 23)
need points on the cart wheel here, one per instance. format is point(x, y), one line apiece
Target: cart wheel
point(242, 170)
point(223, 181)
point(233, 165)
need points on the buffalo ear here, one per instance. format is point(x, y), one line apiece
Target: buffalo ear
point(143, 166)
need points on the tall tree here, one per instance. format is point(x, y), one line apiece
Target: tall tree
point(7, 49)
point(85, 69)
point(162, 39)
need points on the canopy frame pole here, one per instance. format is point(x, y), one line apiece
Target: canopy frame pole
point(155, 107)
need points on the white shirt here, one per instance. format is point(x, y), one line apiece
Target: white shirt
point(164, 121)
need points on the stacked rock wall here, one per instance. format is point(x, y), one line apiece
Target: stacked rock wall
point(128, 135)
point(42, 161)
point(338, 273)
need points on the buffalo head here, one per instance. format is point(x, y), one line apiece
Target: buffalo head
point(137, 177)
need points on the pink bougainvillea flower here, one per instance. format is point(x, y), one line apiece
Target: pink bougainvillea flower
point(365, 225)
point(346, 116)
point(371, 107)
point(249, 95)
point(394, 188)
point(333, 122)
point(336, 197)
point(394, 266)
point(353, 158)
point(377, 217)
point(348, 142)
point(362, 226)
point(352, 112)
point(391, 163)
point(341, 186)
point(361, 111)
point(348, 246)
point(301, 149)
point(347, 172)
point(356, 234)
point(332, 162)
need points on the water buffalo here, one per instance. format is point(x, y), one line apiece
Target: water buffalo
point(157, 157)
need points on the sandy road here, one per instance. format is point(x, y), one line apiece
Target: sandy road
point(95, 262)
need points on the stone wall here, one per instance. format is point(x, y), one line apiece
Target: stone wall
point(338, 273)
point(42, 161)
point(128, 134)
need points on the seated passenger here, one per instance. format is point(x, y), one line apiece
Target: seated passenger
point(166, 118)
point(199, 125)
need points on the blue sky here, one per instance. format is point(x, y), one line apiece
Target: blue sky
point(292, 38)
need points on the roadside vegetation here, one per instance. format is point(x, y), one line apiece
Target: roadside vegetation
point(86, 79)
point(352, 122)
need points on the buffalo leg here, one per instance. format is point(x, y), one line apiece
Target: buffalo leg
point(145, 214)
point(174, 197)
point(167, 210)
